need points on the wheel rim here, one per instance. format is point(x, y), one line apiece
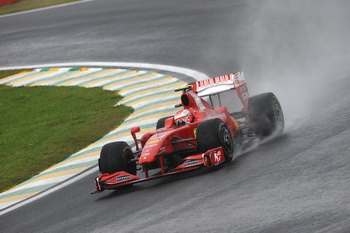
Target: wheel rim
point(227, 140)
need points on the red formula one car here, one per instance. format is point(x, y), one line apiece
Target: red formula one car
point(197, 135)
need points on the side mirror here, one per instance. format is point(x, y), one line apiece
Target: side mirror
point(133, 132)
point(135, 129)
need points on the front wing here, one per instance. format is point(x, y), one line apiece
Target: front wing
point(210, 158)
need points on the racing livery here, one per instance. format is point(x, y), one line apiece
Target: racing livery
point(198, 135)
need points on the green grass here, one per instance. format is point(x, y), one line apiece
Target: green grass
point(41, 126)
point(25, 5)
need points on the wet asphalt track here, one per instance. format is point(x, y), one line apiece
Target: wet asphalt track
point(297, 183)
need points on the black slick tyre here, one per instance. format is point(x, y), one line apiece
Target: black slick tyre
point(215, 133)
point(265, 115)
point(116, 156)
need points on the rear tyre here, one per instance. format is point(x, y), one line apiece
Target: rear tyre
point(161, 122)
point(115, 157)
point(265, 115)
point(215, 133)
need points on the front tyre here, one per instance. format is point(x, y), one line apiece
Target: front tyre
point(116, 156)
point(214, 133)
point(265, 115)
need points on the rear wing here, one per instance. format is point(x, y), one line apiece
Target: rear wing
point(234, 81)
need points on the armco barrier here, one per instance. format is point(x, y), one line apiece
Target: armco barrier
point(5, 2)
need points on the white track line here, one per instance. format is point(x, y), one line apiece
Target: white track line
point(44, 8)
point(180, 70)
point(51, 190)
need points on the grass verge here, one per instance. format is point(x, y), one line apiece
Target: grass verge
point(41, 126)
point(25, 5)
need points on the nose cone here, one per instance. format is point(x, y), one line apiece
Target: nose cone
point(150, 150)
point(146, 158)
point(159, 142)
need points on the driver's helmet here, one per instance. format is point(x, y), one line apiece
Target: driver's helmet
point(183, 116)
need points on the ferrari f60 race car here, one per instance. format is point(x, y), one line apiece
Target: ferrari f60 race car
point(198, 135)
